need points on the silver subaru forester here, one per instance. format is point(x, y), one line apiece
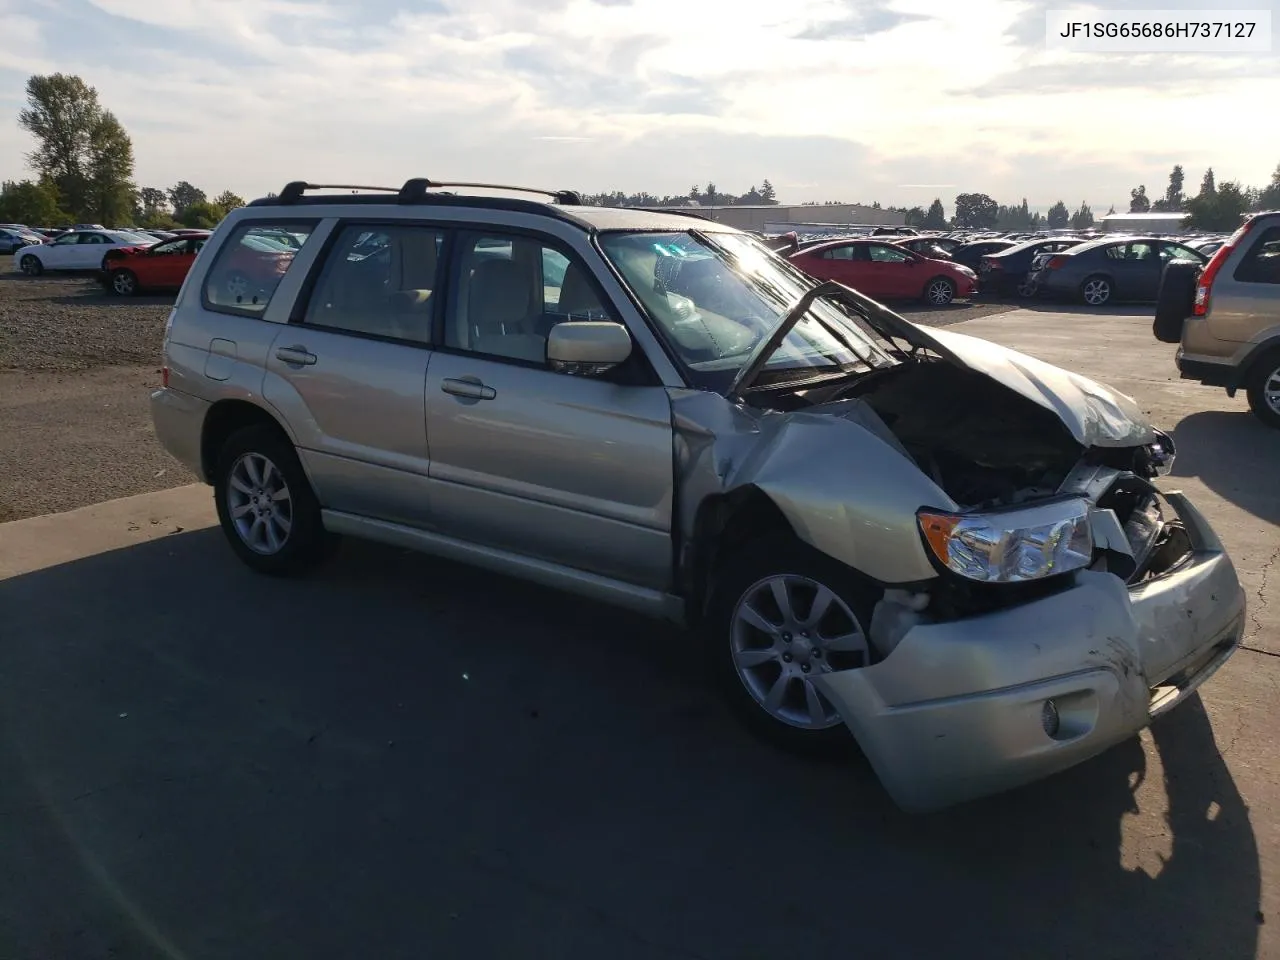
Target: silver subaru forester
point(954, 551)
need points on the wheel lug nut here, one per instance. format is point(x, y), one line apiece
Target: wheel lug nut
point(805, 668)
point(786, 637)
point(817, 652)
point(786, 658)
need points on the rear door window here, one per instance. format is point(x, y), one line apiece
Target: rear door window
point(250, 265)
point(1261, 264)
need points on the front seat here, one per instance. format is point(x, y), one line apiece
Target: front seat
point(499, 304)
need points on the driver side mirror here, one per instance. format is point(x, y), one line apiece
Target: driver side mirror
point(587, 347)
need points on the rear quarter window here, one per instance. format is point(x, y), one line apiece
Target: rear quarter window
point(250, 264)
point(1261, 262)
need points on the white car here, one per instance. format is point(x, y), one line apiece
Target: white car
point(77, 250)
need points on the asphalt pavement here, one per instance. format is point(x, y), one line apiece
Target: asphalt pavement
point(400, 757)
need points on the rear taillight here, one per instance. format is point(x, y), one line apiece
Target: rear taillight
point(1210, 272)
point(1056, 263)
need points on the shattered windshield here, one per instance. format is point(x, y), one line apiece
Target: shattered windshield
point(715, 297)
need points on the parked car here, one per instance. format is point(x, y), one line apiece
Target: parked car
point(1226, 316)
point(971, 254)
point(1103, 271)
point(1009, 270)
point(77, 250)
point(15, 236)
point(885, 270)
point(875, 527)
point(931, 248)
point(160, 266)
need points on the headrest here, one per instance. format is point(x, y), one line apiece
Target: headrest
point(499, 293)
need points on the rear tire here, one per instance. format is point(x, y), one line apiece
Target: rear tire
point(1175, 300)
point(1264, 388)
point(1096, 291)
point(266, 506)
point(762, 652)
point(31, 265)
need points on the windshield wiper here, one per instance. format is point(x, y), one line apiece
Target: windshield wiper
point(766, 347)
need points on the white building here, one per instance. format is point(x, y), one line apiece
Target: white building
point(1142, 222)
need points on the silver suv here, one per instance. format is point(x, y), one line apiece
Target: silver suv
point(1226, 316)
point(952, 550)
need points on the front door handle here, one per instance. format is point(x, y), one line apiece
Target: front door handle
point(468, 387)
point(297, 354)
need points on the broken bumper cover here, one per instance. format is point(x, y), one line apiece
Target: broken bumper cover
point(956, 711)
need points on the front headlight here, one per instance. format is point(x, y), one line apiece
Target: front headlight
point(1012, 546)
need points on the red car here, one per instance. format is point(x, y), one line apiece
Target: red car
point(887, 271)
point(161, 266)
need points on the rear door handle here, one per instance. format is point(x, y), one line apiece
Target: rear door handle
point(468, 387)
point(297, 354)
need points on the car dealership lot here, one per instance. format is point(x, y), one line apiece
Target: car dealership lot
point(400, 756)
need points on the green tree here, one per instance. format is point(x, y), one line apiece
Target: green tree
point(80, 148)
point(1207, 185)
point(110, 173)
point(936, 217)
point(1058, 216)
point(1082, 219)
point(183, 195)
point(976, 211)
point(768, 194)
point(228, 201)
point(1139, 202)
point(1219, 209)
point(201, 214)
point(152, 201)
point(30, 203)
point(1173, 200)
point(1269, 196)
point(915, 217)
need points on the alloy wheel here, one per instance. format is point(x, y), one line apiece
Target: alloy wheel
point(123, 283)
point(1271, 391)
point(30, 266)
point(940, 292)
point(1096, 292)
point(237, 286)
point(787, 630)
point(1027, 289)
point(260, 504)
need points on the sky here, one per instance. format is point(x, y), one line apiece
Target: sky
point(895, 101)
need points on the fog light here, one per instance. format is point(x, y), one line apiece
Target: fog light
point(1049, 718)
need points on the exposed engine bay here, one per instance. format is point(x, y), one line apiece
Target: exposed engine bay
point(988, 448)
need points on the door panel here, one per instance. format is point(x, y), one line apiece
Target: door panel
point(569, 469)
point(357, 412)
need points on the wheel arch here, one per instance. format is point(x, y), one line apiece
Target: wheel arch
point(222, 420)
point(723, 522)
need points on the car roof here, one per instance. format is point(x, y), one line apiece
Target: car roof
point(587, 217)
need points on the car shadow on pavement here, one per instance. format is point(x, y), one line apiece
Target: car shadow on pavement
point(1235, 455)
point(400, 756)
point(1042, 305)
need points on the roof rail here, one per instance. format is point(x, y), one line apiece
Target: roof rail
point(294, 190)
point(415, 190)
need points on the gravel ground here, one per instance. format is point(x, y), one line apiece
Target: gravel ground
point(76, 368)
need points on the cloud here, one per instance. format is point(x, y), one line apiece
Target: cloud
point(635, 95)
point(863, 19)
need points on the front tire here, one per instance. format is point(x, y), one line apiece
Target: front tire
point(123, 283)
point(1096, 291)
point(31, 265)
point(780, 614)
point(1264, 389)
point(266, 506)
point(939, 292)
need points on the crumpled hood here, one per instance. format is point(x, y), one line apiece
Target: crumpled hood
point(1097, 416)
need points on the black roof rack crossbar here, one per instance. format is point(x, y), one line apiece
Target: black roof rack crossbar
point(415, 190)
point(294, 190)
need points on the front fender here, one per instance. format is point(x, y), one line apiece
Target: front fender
point(837, 474)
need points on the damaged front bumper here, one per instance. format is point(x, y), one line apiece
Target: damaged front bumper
point(958, 709)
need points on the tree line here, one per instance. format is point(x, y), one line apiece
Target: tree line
point(1218, 206)
point(84, 165)
point(708, 196)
